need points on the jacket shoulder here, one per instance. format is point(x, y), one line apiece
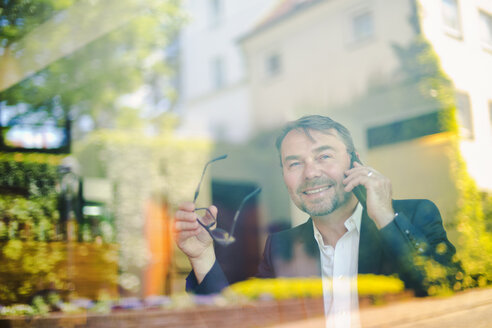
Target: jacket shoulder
point(294, 232)
point(410, 205)
point(283, 242)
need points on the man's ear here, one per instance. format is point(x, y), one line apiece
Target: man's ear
point(354, 157)
point(358, 156)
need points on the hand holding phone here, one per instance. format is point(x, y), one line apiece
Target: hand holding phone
point(380, 208)
point(359, 191)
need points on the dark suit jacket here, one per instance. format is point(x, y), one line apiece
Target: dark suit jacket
point(416, 232)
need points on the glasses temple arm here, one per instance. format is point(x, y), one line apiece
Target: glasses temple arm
point(234, 220)
point(197, 191)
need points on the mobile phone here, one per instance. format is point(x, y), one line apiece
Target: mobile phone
point(359, 191)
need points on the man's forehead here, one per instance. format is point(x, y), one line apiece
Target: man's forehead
point(298, 136)
point(311, 134)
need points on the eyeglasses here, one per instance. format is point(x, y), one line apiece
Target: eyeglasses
point(221, 236)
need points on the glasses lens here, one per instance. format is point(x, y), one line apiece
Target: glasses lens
point(222, 235)
point(205, 217)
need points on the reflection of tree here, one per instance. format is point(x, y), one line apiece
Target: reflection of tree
point(20, 17)
point(95, 68)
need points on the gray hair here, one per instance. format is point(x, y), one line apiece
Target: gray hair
point(317, 123)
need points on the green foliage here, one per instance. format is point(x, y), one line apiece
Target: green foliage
point(30, 259)
point(17, 309)
point(28, 218)
point(37, 178)
point(417, 62)
point(40, 305)
point(487, 210)
point(28, 198)
point(475, 242)
point(420, 63)
point(28, 266)
point(20, 17)
point(88, 81)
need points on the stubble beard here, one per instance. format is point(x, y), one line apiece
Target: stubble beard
point(326, 206)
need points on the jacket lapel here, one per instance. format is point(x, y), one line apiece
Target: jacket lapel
point(370, 249)
point(309, 246)
point(310, 243)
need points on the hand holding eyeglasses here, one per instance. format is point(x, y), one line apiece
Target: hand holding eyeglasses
point(190, 237)
point(195, 230)
point(193, 240)
point(221, 236)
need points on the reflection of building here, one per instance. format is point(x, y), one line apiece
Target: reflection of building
point(353, 60)
point(461, 34)
point(215, 103)
point(214, 90)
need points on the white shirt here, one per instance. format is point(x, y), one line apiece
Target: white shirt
point(339, 268)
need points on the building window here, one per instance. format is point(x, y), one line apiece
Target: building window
point(404, 130)
point(218, 73)
point(362, 26)
point(490, 113)
point(273, 64)
point(215, 12)
point(464, 115)
point(451, 17)
point(486, 29)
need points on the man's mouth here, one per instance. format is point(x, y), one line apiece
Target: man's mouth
point(316, 190)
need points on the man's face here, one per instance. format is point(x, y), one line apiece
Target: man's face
point(313, 170)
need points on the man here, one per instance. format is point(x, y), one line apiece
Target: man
point(342, 237)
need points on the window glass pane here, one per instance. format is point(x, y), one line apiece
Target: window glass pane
point(464, 115)
point(486, 28)
point(215, 10)
point(407, 129)
point(273, 64)
point(362, 26)
point(490, 113)
point(218, 74)
point(450, 15)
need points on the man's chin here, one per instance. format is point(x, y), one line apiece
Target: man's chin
point(324, 208)
point(319, 210)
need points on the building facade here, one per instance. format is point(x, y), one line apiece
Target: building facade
point(366, 63)
point(356, 61)
point(214, 94)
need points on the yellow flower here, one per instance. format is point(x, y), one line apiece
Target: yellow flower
point(285, 288)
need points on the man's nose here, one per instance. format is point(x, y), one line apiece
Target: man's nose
point(311, 170)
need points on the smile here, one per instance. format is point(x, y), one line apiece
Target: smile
point(315, 191)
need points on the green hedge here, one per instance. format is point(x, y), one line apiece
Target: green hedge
point(28, 197)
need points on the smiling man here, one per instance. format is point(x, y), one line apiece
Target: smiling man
point(342, 237)
point(313, 169)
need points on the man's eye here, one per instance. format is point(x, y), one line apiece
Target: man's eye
point(294, 164)
point(324, 156)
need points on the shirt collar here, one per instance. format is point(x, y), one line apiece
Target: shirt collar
point(353, 222)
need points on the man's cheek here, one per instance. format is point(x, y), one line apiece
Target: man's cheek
point(336, 173)
point(289, 180)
